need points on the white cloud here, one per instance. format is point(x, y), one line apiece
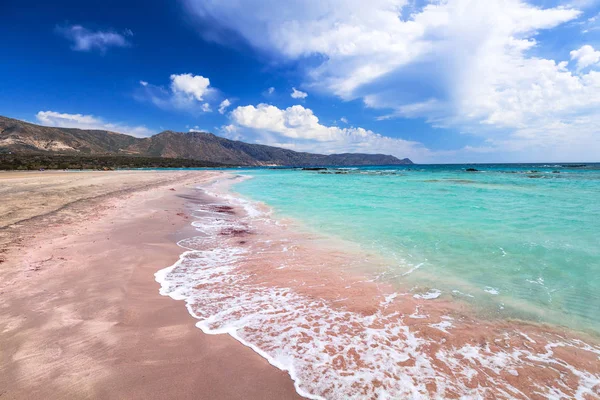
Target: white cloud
point(85, 40)
point(191, 86)
point(297, 94)
point(197, 129)
point(297, 127)
point(269, 92)
point(231, 131)
point(224, 105)
point(464, 64)
point(364, 41)
point(591, 24)
point(585, 56)
point(186, 92)
point(81, 121)
point(344, 120)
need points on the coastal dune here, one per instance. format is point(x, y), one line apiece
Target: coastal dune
point(80, 313)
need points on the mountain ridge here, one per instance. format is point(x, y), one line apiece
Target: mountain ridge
point(24, 137)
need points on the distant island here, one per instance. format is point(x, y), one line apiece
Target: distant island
point(28, 146)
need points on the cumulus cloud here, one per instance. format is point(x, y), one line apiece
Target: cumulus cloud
point(362, 41)
point(585, 56)
point(81, 121)
point(297, 127)
point(465, 64)
point(224, 105)
point(86, 40)
point(186, 92)
point(298, 94)
point(191, 86)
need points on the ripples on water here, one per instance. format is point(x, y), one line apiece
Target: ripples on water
point(529, 231)
point(343, 334)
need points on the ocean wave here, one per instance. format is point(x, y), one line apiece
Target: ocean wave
point(403, 346)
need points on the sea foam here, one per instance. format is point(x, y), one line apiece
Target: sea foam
point(333, 352)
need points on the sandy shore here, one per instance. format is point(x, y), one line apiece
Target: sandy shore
point(80, 313)
point(314, 306)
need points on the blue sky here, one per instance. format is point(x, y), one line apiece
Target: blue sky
point(436, 81)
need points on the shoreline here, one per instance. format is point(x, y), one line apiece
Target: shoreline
point(498, 305)
point(80, 312)
point(378, 264)
point(439, 347)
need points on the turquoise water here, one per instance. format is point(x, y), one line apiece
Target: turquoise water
point(514, 240)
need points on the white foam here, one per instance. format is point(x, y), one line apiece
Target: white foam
point(511, 360)
point(328, 351)
point(389, 299)
point(429, 295)
point(416, 314)
point(274, 321)
point(252, 208)
point(458, 292)
point(413, 269)
point(491, 290)
point(527, 337)
point(442, 326)
point(538, 281)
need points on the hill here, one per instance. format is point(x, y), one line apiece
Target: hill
point(22, 138)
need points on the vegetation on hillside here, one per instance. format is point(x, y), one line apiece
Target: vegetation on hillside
point(98, 162)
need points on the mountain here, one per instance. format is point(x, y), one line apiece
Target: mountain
point(22, 137)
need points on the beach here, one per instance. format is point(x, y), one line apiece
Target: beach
point(281, 200)
point(324, 309)
point(178, 284)
point(80, 312)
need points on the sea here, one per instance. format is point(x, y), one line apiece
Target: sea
point(410, 281)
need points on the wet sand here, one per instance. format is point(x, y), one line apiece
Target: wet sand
point(302, 301)
point(80, 313)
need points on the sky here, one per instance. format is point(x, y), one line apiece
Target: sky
point(439, 81)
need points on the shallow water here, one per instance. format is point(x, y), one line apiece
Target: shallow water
point(522, 240)
point(321, 308)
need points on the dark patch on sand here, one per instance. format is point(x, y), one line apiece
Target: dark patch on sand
point(235, 232)
point(222, 209)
